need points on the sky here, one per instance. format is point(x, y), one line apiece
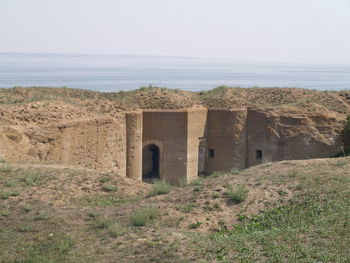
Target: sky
point(245, 30)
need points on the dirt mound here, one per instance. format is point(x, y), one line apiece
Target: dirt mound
point(162, 98)
point(43, 113)
point(307, 100)
point(159, 98)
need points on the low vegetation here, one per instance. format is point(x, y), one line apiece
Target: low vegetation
point(292, 211)
point(237, 195)
point(160, 187)
point(142, 216)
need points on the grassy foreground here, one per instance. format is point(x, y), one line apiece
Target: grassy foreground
point(291, 211)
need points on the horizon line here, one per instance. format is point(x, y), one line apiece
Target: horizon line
point(167, 57)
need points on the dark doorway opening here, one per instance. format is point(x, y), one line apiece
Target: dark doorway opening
point(258, 154)
point(150, 163)
point(211, 153)
point(201, 155)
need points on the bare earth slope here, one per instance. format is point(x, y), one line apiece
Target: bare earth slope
point(294, 211)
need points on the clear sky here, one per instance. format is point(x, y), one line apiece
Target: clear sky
point(250, 30)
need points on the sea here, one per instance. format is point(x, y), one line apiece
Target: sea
point(109, 73)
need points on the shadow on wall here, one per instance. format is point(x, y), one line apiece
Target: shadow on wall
point(150, 163)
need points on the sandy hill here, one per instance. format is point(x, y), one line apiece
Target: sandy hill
point(162, 98)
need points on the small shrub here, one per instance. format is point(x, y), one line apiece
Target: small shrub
point(43, 215)
point(11, 183)
point(160, 188)
point(27, 208)
point(6, 168)
point(217, 205)
point(216, 174)
point(92, 214)
point(197, 188)
point(109, 188)
point(183, 182)
point(4, 213)
point(238, 195)
point(31, 177)
point(104, 179)
point(188, 207)
point(234, 171)
point(216, 195)
point(115, 229)
point(102, 223)
point(143, 216)
point(196, 225)
point(7, 194)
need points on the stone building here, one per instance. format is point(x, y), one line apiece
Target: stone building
point(179, 145)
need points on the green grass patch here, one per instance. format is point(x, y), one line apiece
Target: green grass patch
point(6, 168)
point(31, 177)
point(104, 200)
point(188, 207)
point(109, 188)
point(8, 193)
point(143, 216)
point(313, 227)
point(160, 187)
point(237, 195)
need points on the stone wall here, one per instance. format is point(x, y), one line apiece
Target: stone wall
point(168, 130)
point(97, 144)
point(196, 131)
point(290, 136)
point(226, 141)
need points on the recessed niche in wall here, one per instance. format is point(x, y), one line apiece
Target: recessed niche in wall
point(211, 153)
point(258, 154)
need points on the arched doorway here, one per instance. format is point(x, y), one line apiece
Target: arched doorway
point(150, 163)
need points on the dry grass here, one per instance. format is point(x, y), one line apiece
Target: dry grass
point(296, 211)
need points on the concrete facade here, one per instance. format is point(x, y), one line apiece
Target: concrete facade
point(179, 145)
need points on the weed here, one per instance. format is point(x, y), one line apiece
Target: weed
point(188, 207)
point(281, 192)
point(11, 183)
point(27, 208)
point(116, 229)
point(31, 177)
point(172, 221)
point(109, 188)
point(41, 216)
point(4, 213)
point(234, 171)
point(143, 216)
point(238, 195)
point(196, 225)
point(216, 174)
point(8, 194)
point(197, 188)
point(104, 179)
point(341, 163)
point(160, 187)
point(6, 168)
point(92, 214)
point(217, 205)
point(216, 195)
point(293, 173)
point(103, 200)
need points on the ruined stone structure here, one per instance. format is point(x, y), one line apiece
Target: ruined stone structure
point(174, 145)
point(177, 145)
